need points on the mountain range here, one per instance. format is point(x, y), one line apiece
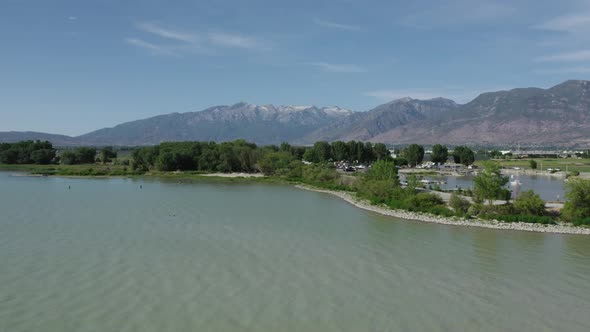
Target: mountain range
point(558, 116)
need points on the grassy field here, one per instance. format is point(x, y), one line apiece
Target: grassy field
point(73, 170)
point(565, 164)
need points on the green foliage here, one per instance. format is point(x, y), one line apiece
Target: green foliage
point(400, 162)
point(495, 154)
point(383, 170)
point(82, 155)
point(381, 152)
point(423, 201)
point(440, 154)
point(529, 203)
point(377, 191)
point(380, 182)
point(581, 222)
point(459, 204)
point(533, 219)
point(107, 154)
point(278, 163)
point(340, 151)
point(489, 184)
point(27, 152)
point(43, 156)
point(414, 153)
point(463, 155)
point(533, 164)
point(577, 205)
point(319, 174)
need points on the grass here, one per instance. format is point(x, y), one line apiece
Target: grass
point(72, 170)
point(569, 164)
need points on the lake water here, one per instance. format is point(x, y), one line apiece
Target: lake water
point(549, 188)
point(106, 255)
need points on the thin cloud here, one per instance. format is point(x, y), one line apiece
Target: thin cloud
point(337, 68)
point(334, 25)
point(153, 48)
point(578, 22)
point(583, 55)
point(167, 33)
point(233, 40)
point(184, 42)
point(72, 18)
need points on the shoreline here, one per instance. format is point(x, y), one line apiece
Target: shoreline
point(365, 205)
point(424, 217)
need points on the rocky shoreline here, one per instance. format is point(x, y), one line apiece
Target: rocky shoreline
point(424, 217)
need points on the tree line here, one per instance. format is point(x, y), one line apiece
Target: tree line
point(27, 152)
point(43, 153)
point(242, 156)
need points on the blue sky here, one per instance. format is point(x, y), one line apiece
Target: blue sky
point(74, 66)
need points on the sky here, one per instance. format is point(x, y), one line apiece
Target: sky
point(70, 67)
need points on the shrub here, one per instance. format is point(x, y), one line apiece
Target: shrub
point(577, 206)
point(579, 222)
point(533, 164)
point(459, 204)
point(533, 219)
point(528, 202)
point(423, 201)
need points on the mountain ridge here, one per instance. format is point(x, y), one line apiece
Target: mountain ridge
point(557, 116)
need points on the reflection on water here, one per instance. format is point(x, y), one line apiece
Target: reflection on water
point(150, 255)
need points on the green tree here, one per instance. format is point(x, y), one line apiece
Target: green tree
point(495, 154)
point(459, 204)
point(68, 158)
point(489, 184)
point(43, 157)
point(414, 153)
point(310, 156)
point(381, 151)
point(577, 205)
point(463, 155)
point(383, 170)
point(278, 163)
point(340, 151)
point(440, 154)
point(107, 154)
point(533, 164)
point(528, 202)
point(85, 155)
point(323, 151)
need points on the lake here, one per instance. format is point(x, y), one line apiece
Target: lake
point(109, 255)
point(549, 188)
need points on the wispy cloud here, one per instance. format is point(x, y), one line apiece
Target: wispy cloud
point(583, 55)
point(334, 25)
point(337, 68)
point(153, 48)
point(178, 42)
point(234, 40)
point(167, 33)
point(72, 18)
point(577, 22)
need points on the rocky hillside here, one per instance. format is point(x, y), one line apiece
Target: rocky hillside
point(558, 116)
point(266, 124)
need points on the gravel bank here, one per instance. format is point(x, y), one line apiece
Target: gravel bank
point(424, 217)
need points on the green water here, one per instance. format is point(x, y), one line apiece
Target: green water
point(106, 255)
